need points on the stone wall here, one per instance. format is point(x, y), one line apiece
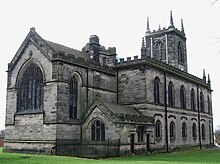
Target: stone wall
point(136, 83)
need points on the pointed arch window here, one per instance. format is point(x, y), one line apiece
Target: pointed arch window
point(203, 131)
point(163, 52)
point(73, 97)
point(194, 131)
point(209, 105)
point(157, 90)
point(184, 130)
point(157, 50)
point(98, 131)
point(158, 130)
point(202, 108)
point(30, 90)
point(180, 53)
point(182, 97)
point(170, 94)
point(172, 130)
point(193, 104)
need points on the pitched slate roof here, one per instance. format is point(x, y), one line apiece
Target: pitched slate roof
point(119, 114)
point(67, 50)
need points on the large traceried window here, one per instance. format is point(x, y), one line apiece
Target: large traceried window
point(31, 90)
point(170, 94)
point(157, 90)
point(158, 129)
point(193, 104)
point(73, 97)
point(182, 97)
point(98, 131)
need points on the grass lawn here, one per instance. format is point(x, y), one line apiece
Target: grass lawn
point(194, 156)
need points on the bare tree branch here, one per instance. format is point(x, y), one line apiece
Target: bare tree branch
point(214, 2)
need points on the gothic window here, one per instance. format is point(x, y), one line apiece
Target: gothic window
point(170, 94)
point(73, 98)
point(193, 104)
point(184, 130)
point(140, 133)
point(172, 130)
point(194, 131)
point(209, 105)
point(202, 109)
point(98, 131)
point(157, 51)
point(163, 52)
point(31, 90)
point(182, 97)
point(203, 131)
point(160, 51)
point(157, 90)
point(180, 53)
point(158, 129)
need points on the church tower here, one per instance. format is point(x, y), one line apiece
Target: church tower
point(167, 45)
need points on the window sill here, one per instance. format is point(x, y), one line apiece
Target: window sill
point(26, 112)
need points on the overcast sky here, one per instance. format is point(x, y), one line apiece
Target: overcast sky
point(119, 23)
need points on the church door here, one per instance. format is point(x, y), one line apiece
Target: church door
point(132, 143)
point(148, 142)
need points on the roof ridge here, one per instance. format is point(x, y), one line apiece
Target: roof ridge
point(62, 45)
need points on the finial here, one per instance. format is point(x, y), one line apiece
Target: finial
point(204, 76)
point(32, 29)
point(148, 26)
point(182, 27)
point(171, 19)
point(159, 27)
point(209, 81)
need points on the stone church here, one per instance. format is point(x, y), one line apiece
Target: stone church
point(90, 103)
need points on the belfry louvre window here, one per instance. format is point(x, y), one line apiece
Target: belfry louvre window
point(73, 98)
point(180, 53)
point(98, 131)
point(31, 89)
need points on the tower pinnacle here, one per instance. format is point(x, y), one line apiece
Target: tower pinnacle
point(204, 76)
point(171, 19)
point(148, 26)
point(182, 27)
point(209, 81)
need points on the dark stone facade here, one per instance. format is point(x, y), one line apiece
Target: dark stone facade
point(121, 107)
